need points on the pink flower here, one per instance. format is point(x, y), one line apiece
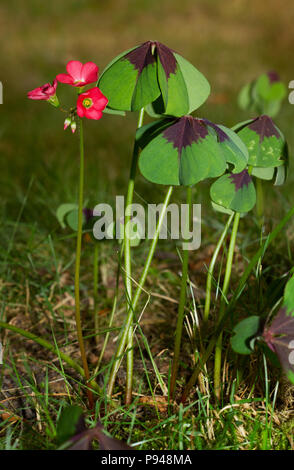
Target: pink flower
point(91, 104)
point(78, 74)
point(45, 92)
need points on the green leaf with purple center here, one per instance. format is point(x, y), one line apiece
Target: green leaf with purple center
point(234, 191)
point(188, 150)
point(264, 141)
point(153, 74)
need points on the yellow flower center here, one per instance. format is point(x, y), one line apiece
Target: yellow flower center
point(87, 102)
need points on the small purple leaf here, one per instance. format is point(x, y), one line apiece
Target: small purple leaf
point(279, 337)
point(83, 440)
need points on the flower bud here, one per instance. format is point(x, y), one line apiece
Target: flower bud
point(73, 126)
point(67, 123)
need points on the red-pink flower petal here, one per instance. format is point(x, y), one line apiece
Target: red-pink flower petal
point(80, 108)
point(65, 78)
point(74, 68)
point(93, 113)
point(43, 92)
point(37, 94)
point(98, 96)
point(101, 102)
point(90, 72)
point(78, 74)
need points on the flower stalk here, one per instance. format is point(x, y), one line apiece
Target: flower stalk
point(78, 264)
point(95, 289)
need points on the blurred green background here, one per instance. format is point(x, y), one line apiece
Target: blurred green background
point(230, 42)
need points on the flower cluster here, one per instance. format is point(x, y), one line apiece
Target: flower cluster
point(90, 103)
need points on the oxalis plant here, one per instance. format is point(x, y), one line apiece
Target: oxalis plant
point(177, 149)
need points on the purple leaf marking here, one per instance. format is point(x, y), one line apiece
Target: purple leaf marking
point(264, 127)
point(273, 76)
point(146, 54)
point(185, 131)
point(240, 179)
point(167, 59)
point(142, 56)
point(222, 136)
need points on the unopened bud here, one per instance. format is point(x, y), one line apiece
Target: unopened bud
point(67, 122)
point(73, 126)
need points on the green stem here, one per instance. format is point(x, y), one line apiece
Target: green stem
point(211, 268)
point(95, 289)
point(129, 320)
point(183, 298)
point(128, 259)
point(45, 344)
point(218, 347)
point(77, 266)
point(113, 310)
point(259, 202)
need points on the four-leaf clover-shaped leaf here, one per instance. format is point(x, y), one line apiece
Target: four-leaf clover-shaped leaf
point(234, 191)
point(265, 142)
point(187, 150)
point(153, 73)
